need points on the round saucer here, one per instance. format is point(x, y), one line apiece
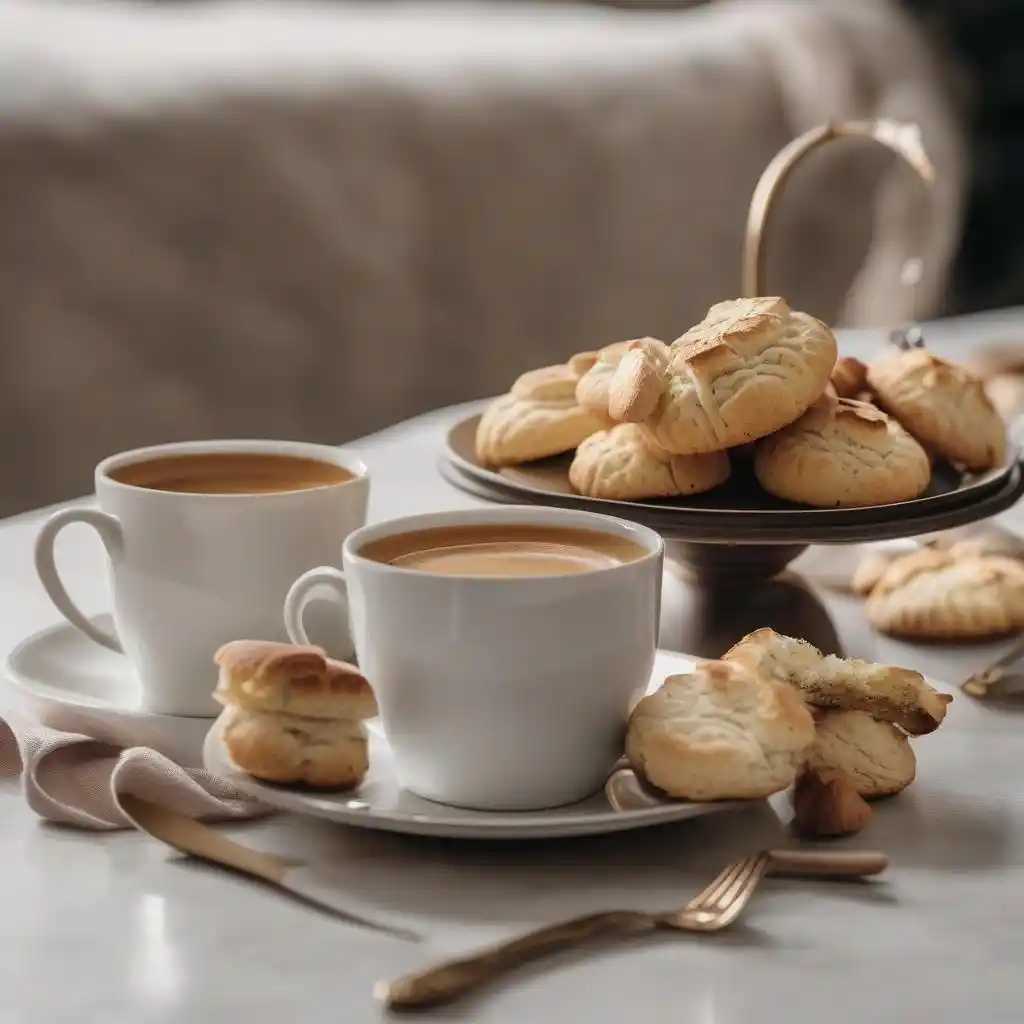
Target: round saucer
point(64, 680)
point(379, 803)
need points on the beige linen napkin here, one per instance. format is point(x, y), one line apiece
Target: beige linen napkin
point(76, 780)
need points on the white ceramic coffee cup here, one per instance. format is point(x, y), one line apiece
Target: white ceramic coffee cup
point(506, 693)
point(191, 571)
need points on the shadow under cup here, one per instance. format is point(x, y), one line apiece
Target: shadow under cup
point(505, 693)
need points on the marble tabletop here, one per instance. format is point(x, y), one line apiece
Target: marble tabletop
point(109, 928)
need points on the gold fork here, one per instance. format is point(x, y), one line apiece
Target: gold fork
point(713, 909)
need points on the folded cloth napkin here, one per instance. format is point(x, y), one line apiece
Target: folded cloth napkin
point(76, 780)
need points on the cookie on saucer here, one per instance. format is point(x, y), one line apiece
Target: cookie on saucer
point(291, 714)
point(539, 417)
point(721, 732)
point(842, 454)
point(943, 405)
point(620, 464)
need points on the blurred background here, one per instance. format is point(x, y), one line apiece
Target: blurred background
point(312, 220)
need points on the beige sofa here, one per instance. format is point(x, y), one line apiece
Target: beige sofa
point(311, 221)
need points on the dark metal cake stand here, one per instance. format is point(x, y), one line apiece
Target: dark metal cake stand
point(728, 551)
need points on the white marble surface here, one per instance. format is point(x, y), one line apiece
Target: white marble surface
point(109, 929)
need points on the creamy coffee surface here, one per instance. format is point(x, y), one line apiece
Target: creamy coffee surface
point(507, 550)
point(230, 473)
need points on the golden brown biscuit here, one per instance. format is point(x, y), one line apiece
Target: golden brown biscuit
point(721, 732)
point(943, 595)
point(826, 805)
point(751, 367)
point(943, 405)
point(1006, 393)
point(876, 756)
point(259, 675)
point(538, 417)
point(287, 748)
point(842, 454)
point(849, 378)
point(897, 695)
point(592, 389)
point(622, 465)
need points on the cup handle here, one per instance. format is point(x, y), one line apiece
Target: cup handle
point(325, 583)
point(110, 533)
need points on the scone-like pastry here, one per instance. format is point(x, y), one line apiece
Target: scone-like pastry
point(897, 695)
point(751, 367)
point(826, 805)
point(592, 389)
point(849, 377)
point(721, 732)
point(943, 405)
point(842, 454)
point(326, 753)
point(875, 756)
point(259, 675)
point(622, 465)
point(538, 417)
point(941, 595)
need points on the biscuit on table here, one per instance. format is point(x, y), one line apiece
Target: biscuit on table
point(291, 714)
point(842, 454)
point(948, 595)
point(620, 464)
point(869, 571)
point(721, 732)
point(751, 367)
point(876, 756)
point(898, 695)
point(943, 405)
point(539, 417)
point(826, 805)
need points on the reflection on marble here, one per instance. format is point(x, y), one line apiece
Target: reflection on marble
point(155, 970)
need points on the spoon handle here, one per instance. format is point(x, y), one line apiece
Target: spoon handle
point(448, 981)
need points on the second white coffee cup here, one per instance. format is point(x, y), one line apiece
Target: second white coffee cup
point(501, 693)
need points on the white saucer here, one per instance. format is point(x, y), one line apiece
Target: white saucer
point(66, 681)
point(380, 804)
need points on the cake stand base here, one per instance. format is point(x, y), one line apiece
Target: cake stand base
point(705, 615)
point(708, 564)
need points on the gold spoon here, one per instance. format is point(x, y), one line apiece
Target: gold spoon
point(191, 837)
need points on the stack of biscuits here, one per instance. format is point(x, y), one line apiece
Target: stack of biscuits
point(291, 714)
point(775, 711)
point(646, 419)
